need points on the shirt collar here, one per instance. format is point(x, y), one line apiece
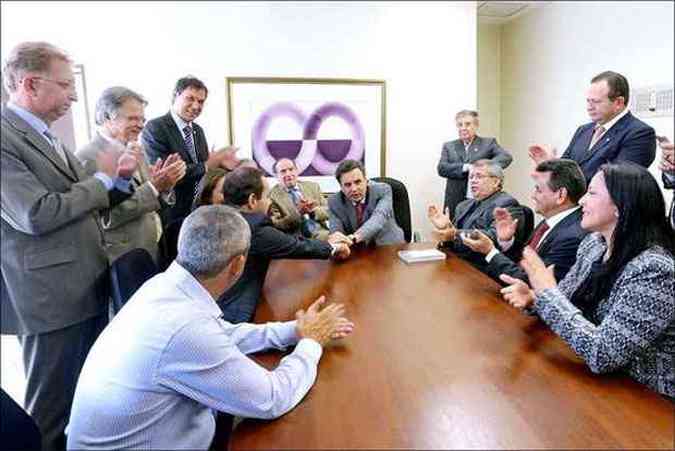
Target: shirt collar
point(187, 283)
point(556, 218)
point(180, 123)
point(35, 122)
point(615, 119)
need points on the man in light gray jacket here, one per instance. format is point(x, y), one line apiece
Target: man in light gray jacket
point(134, 223)
point(362, 210)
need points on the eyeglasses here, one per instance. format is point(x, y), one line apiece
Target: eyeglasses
point(65, 84)
point(480, 176)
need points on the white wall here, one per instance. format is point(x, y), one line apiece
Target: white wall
point(415, 47)
point(549, 56)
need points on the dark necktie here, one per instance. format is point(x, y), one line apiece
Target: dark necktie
point(538, 233)
point(189, 143)
point(359, 213)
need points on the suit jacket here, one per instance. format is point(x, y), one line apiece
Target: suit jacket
point(559, 248)
point(478, 214)
point(54, 265)
point(285, 215)
point(267, 243)
point(133, 223)
point(454, 157)
point(629, 139)
point(161, 138)
point(379, 225)
point(669, 183)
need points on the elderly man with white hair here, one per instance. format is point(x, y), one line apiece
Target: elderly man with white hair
point(168, 361)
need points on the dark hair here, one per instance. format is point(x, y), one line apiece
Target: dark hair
point(348, 166)
point(207, 184)
point(240, 184)
point(188, 81)
point(618, 84)
point(274, 166)
point(565, 174)
point(641, 224)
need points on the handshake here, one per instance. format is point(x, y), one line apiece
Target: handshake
point(342, 244)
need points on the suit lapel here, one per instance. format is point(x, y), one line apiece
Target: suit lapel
point(40, 144)
point(459, 149)
point(176, 138)
point(470, 207)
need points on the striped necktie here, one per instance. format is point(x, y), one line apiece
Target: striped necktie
point(597, 134)
point(189, 142)
point(56, 145)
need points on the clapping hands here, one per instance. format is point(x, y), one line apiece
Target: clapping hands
point(323, 325)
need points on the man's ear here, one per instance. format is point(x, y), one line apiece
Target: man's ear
point(236, 266)
point(251, 201)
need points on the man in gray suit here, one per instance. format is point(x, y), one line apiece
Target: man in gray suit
point(120, 115)
point(362, 210)
point(54, 267)
point(458, 156)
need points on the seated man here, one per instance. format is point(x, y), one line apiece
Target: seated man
point(559, 184)
point(298, 206)
point(486, 181)
point(164, 364)
point(667, 166)
point(362, 210)
point(246, 189)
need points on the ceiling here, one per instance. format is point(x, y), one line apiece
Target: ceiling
point(503, 11)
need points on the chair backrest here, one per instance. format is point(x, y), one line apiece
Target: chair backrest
point(401, 204)
point(17, 429)
point(128, 273)
point(525, 224)
point(168, 244)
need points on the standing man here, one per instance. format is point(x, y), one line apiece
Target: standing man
point(54, 266)
point(559, 184)
point(458, 156)
point(667, 166)
point(362, 209)
point(614, 133)
point(176, 132)
point(298, 206)
point(120, 115)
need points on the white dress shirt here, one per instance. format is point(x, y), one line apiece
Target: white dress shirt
point(166, 362)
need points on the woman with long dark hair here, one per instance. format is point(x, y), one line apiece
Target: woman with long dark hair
point(616, 306)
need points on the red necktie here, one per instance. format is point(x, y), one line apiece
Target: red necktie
point(538, 233)
point(359, 213)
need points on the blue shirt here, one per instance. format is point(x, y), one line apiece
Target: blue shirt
point(166, 362)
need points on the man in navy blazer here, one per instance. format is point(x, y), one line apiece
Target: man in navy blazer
point(458, 156)
point(176, 132)
point(614, 133)
point(667, 167)
point(559, 184)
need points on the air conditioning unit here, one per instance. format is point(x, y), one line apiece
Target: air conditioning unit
point(652, 101)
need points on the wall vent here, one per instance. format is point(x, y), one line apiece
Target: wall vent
point(652, 101)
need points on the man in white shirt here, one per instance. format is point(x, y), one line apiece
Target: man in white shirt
point(614, 133)
point(559, 184)
point(167, 362)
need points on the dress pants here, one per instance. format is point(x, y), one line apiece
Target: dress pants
point(52, 363)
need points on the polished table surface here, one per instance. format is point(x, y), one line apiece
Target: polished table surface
point(438, 360)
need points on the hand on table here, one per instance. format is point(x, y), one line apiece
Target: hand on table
point(323, 325)
point(518, 293)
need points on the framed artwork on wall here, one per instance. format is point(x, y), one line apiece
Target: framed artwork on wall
point(317, 122)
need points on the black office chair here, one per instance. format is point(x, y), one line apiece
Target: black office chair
point(168, 244)
point(128, 273)
point(17, 429)
point(525, 224)
point(401, 205)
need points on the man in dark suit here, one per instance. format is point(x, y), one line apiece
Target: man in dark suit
point(246, 189)
point(614, 133)
point(667, 167)
point(54, 265)
point(459, 155)
point(362, 210)
point(486, 182)
point(559, 184)
point(176, 131)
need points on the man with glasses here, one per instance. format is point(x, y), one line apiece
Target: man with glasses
point(614, 133)
point(120, 115)
point(486, 181)
point(54, 266)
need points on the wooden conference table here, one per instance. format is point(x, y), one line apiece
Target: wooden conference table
point(438, 360)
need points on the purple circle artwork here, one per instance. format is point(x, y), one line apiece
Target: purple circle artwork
point(312, 156)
